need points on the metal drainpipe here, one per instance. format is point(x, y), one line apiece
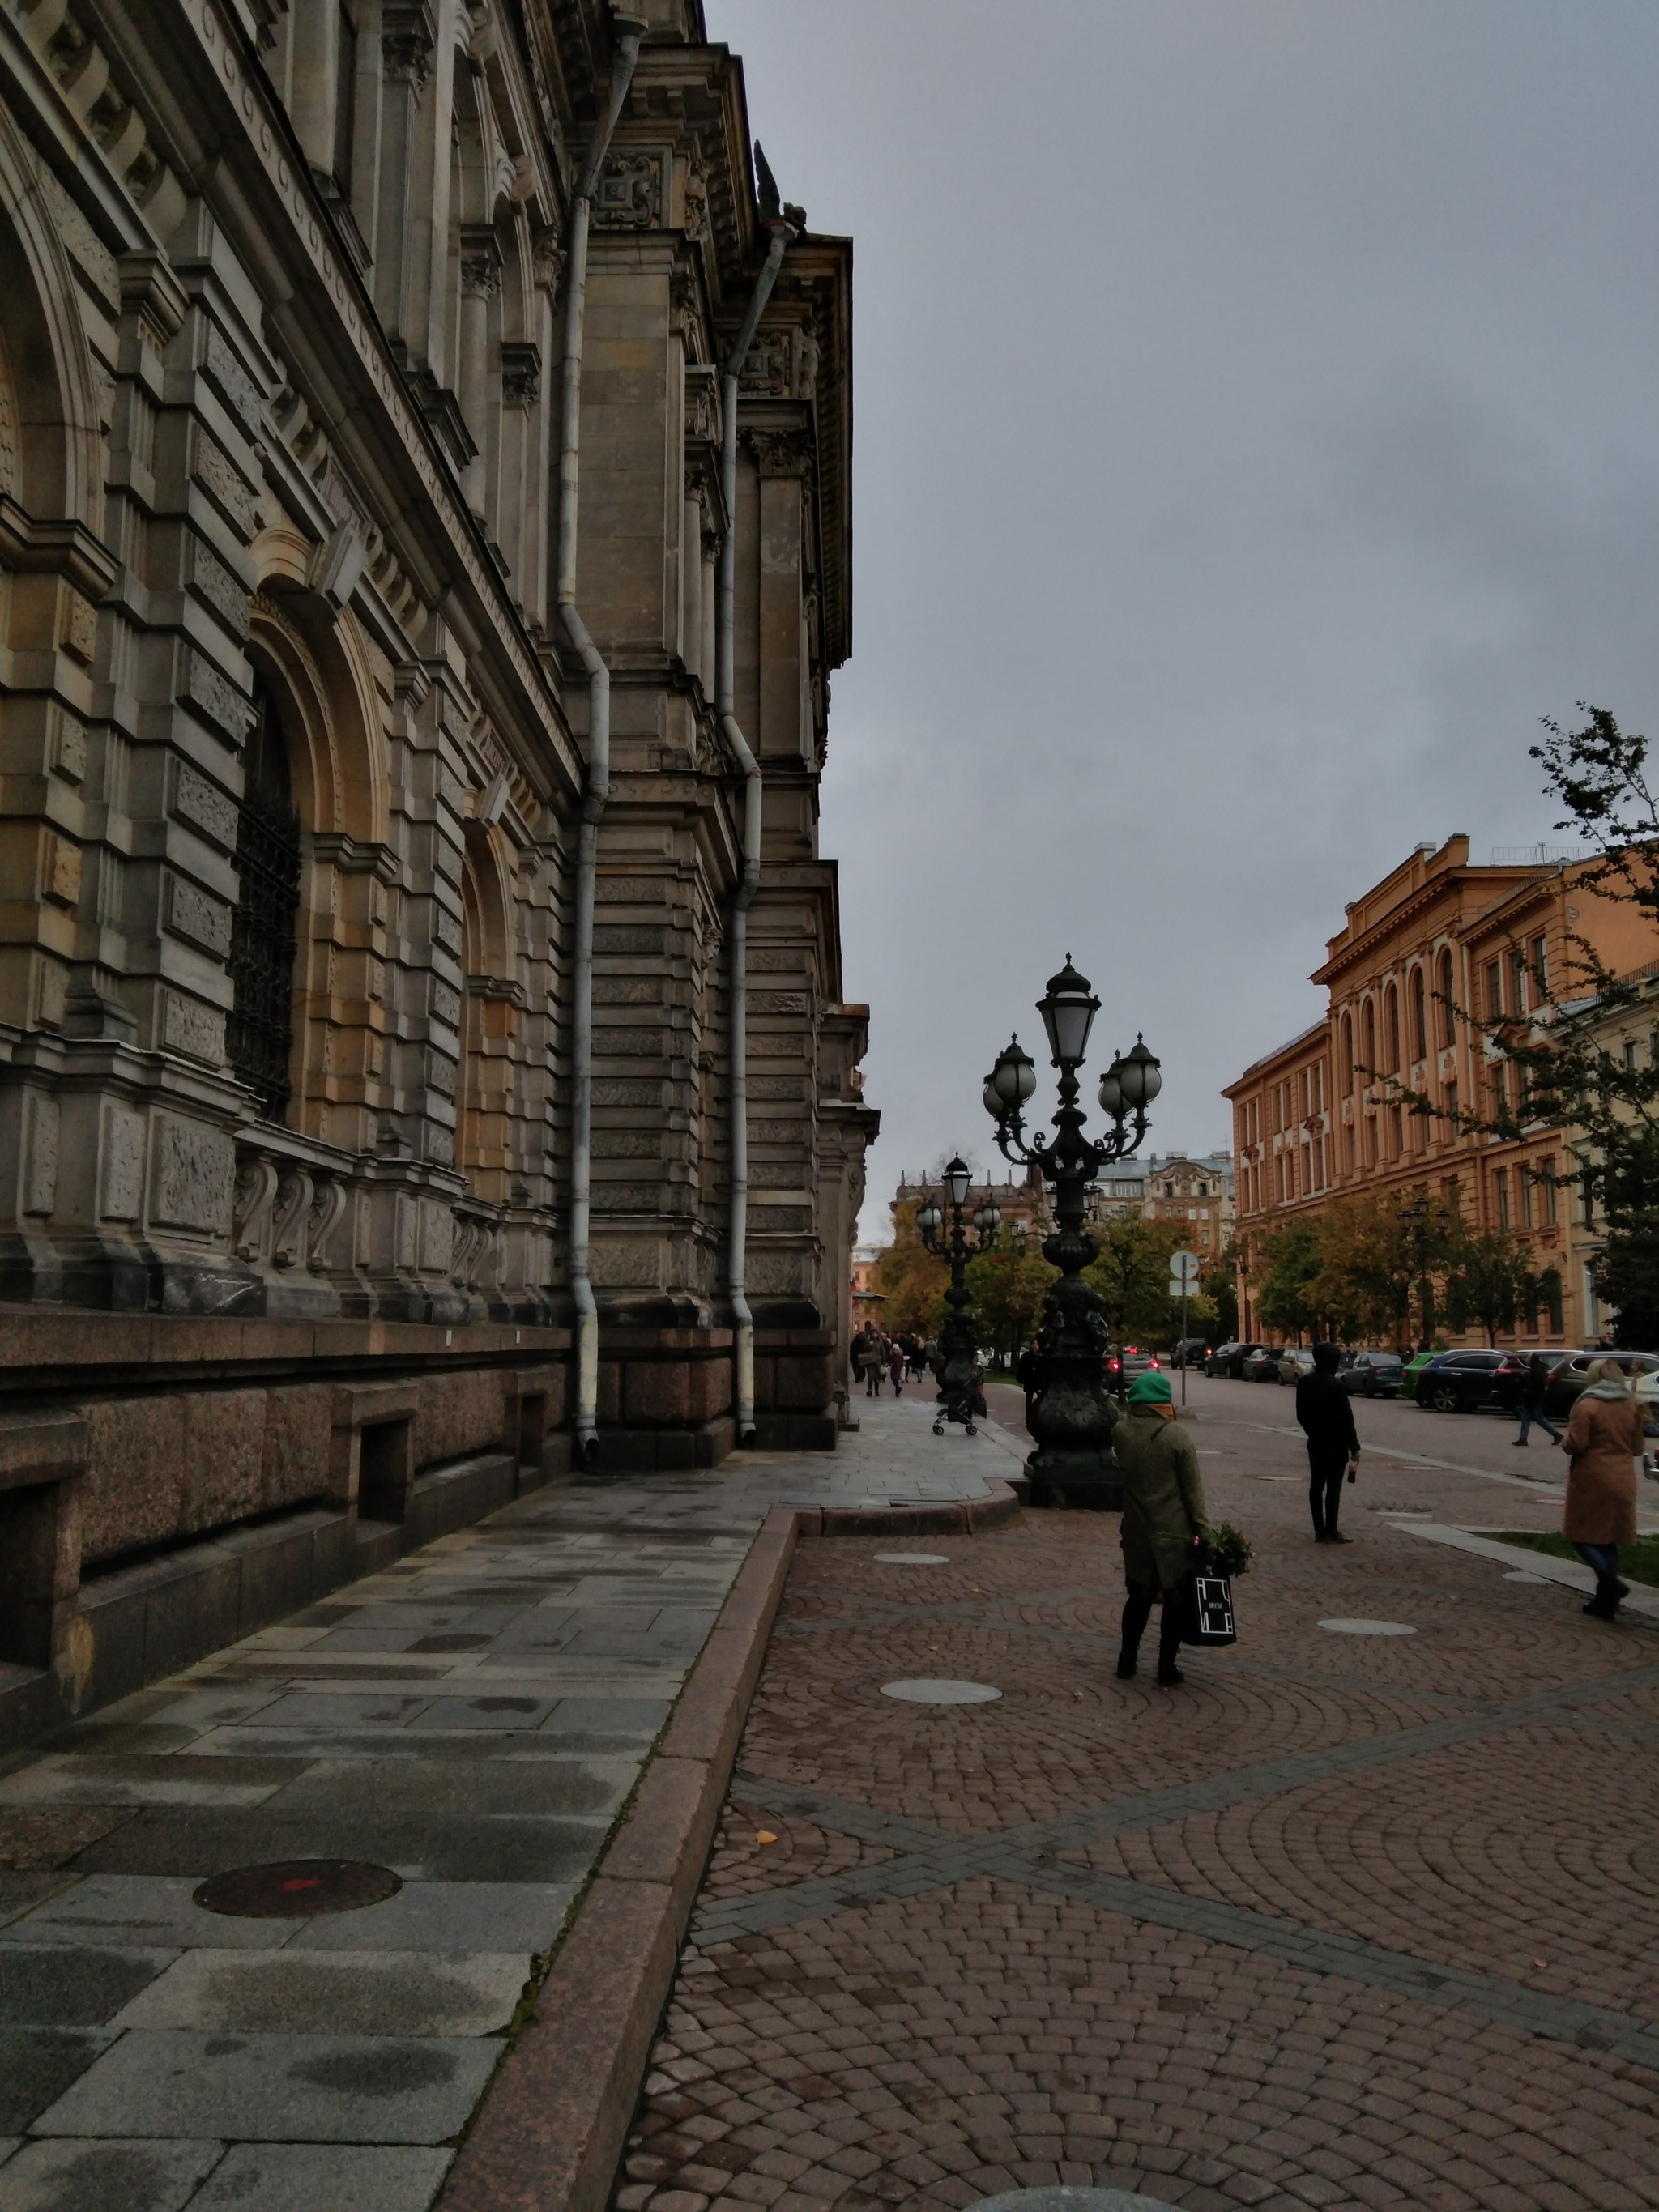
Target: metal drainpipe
point(629, 30)
point(725, 690)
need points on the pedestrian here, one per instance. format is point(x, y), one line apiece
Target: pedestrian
point(1534, 1383)
point(895, 1366)
point(1602, 1442)
point(1324, 1412)
point(1166, 1521)
point(930, 1358)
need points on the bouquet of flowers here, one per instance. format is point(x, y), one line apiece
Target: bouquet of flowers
point(1229, 1551)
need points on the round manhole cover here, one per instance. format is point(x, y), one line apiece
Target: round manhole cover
point(295, 1889)
point(1071, 2200)
point(925, 1691)
point(1368, 1627)
point(913, 1559)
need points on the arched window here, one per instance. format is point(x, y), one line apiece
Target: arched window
point(1447, 1027)
point(1391, 1012)
point(260, 1035)
point(1370, 1022)
point(1419, 1017)
point(1347, 1052)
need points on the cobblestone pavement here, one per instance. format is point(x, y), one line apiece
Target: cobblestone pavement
point(1348, 1921)
point(472, 1718)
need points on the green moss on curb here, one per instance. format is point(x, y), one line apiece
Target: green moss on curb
point(1637, 1562)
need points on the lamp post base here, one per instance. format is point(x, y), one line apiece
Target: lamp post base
point(1085, 1481)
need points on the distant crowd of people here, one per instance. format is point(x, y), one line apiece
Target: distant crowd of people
point(877, 1358)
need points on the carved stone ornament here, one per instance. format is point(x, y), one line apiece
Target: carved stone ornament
point(521, 372)
point(547, 257)
point(407, 42)
point(694, 214)
point(781, 453)
point(481, 269)
point(629, 195)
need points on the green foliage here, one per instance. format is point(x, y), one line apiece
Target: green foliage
point(1229, 1551)
point(1008, 1286)
point(1292, 1259)
point(1493, 1282)
point(1132, 1277)
point(1221, 1286)
point(1374, 1254)
point(912, 1281)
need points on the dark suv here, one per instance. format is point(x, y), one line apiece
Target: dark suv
point(1228, 1359)
point(1463, 1382)
point(1568, 1376)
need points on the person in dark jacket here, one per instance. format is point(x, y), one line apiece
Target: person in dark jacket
point(1533, 1385)
point(1325, 1412)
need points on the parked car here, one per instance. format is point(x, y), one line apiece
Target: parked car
point(1294, 1361)
point(1463, 1382)
point(1228, 1359)
point(1372, 1374)
point(1122, 1369)
point(1568, 1375)
point(1261, 1365)
point(1189, 1352)
point(1414, 1367)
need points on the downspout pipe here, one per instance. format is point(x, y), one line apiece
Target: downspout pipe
point(597, 789)
point(742, 1321)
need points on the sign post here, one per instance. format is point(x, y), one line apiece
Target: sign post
point(1183, 1273)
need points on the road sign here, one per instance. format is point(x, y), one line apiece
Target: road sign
point(1183, 1270)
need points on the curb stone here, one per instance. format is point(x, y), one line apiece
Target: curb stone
point(554, 2121)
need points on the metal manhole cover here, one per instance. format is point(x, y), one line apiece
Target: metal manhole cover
point(913, 1559)
point(927, 1691)
point(1071, 2200)
point(295, 1889)
point(1368, 1627)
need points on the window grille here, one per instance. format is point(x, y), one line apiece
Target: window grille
point(260, 1032)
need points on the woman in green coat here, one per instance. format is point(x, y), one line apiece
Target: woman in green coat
point(1164, 1518)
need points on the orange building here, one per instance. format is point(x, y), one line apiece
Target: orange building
point(1438, 941)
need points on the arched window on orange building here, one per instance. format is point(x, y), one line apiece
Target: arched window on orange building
point(1391, 1015)
point(1419, 1017)
point(1447, 1012)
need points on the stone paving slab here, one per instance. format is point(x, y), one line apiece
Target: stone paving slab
point(474, 1717)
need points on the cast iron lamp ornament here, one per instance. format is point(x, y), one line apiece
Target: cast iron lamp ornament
point(958, 1373)
point(1069, 1412)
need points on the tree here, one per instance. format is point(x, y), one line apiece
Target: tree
point(1008, 1286)
point(1292, 1257)
point(1373, 1256)
point(1221, 1285)
point(1132, 1277)
point(911, 1279)
point(1493, 1282)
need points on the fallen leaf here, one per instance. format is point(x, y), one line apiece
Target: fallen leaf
point(764, 1836)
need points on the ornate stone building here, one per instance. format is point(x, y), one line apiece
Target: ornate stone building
point(402, 857)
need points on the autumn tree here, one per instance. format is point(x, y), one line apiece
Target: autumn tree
point(1132, 1275)
point(912, 1280)
point(1291, 1259)
point(1007, 1286)
point(1492, 1282)
point(1374, 1253)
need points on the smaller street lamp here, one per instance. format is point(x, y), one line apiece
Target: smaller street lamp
point(959, 1370)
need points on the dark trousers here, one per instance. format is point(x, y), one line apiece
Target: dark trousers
point(1137, 1611)
point(1325, 1489)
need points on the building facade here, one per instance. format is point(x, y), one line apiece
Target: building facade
point(1198, 1194)
point(1429, 957)
point(334, 942)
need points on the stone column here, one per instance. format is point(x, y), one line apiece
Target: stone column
point(406, 40)
point(481, 277)
point(691, 590)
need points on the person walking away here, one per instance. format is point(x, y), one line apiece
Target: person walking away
point(1533, 1385)
point(1602, 1443)
point(1165, 1520)
point(1324, 1412)
point(895, 1367)
point(866, 1354)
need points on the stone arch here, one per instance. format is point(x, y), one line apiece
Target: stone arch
point(315, 674)
point(55, 471)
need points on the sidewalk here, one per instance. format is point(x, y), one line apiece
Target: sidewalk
point(1359, 1917)
point(472, 1720)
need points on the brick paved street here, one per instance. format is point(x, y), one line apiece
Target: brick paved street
point(1348, 1921)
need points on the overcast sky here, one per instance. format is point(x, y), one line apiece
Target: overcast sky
point(1254, 434)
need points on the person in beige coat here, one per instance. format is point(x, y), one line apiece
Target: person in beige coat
point(1164, 1519)
point(1602, 1442)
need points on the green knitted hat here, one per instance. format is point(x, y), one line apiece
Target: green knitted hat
point(1151, 1388)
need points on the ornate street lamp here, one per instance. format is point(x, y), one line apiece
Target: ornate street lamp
point(958, 1372)
point(1068, 1412)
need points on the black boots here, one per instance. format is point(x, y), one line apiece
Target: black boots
point(1604, 1605)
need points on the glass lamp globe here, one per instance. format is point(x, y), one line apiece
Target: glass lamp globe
point(1111, 1090)
point(1068, 1008)
point(958, 1177)
point(1014, 1077)
point(1140, 1074)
